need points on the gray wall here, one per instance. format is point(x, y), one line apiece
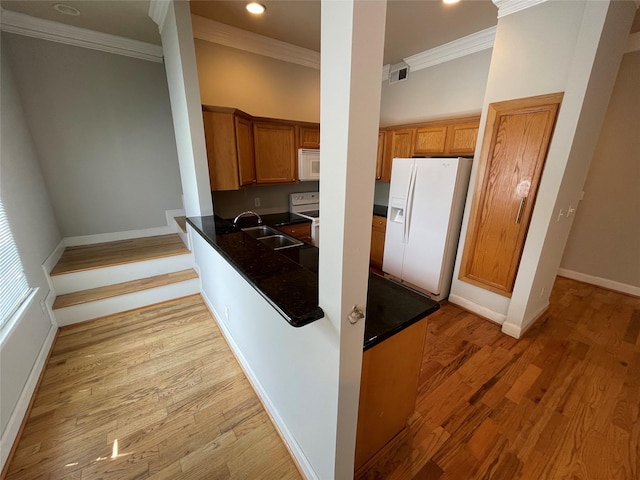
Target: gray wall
point(102, 128)
point(454, 88)
point(258, 85)
point(605, 236)
point(36, 234)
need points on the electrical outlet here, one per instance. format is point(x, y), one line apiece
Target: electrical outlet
point(256, 202)
point(226, 312)
point(542, 291)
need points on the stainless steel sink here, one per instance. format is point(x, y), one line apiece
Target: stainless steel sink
point(271, 237)
point(278, 242)
point(260, 231)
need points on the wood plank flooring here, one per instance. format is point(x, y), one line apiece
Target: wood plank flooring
point(561, 403)
point(87, 257)
point(109, 291)
point(152, 393)
point(155, 393)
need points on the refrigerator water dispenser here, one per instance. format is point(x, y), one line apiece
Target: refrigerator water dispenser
point(396, 210)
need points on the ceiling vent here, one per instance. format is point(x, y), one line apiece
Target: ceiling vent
point(398, 73)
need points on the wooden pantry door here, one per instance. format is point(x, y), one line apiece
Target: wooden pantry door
point(514, 149)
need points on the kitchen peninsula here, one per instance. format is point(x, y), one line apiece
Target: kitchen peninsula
point(395, 324)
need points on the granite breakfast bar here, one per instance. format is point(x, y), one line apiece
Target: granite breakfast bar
point(395, 323)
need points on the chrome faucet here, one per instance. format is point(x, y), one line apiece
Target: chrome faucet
point(248, 212)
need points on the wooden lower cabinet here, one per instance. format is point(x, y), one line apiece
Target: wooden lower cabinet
point(515, 145)
point(301, 231)
point(378, 231)
point(388, 389)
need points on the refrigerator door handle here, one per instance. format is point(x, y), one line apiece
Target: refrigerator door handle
point(409, 202)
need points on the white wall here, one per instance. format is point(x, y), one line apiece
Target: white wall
point(605, 240)
point(454, 88)
point(294, 369)
point(544, 49)
point(36, 234)
point(260, 86)
point(184, 94)
point(101, 125)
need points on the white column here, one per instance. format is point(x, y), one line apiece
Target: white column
point(174, 22)
point(351, 67)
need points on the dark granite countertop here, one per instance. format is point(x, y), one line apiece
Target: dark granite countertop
point(288, 280)
point(380, 210)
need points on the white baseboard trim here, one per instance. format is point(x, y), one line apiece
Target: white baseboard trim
point(478, 309)
point(600, 282)
point(285, 433)
point(52, 259)
point(17, 416)
point(516, 331)
point(115, 236)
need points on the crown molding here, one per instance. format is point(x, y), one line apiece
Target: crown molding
point(633, 44)
point(21, 24)
point(158, 12)
point(507, 7)
point(476, 42)
point(222, 34)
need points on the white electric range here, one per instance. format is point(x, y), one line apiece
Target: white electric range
point(307, 205)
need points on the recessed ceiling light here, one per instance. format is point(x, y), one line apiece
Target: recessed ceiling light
point(256, 8)
point(66, 9)
point(449, 2)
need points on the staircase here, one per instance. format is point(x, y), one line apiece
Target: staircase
point(92, 281)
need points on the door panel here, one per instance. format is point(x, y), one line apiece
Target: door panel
point(516, 142)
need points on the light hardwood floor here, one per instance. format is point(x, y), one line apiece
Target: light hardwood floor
point(87, 257)
point(152, 393)
point(561, 403)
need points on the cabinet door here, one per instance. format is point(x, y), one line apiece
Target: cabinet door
point(274, 152)
point(461, 139)
point(514, 150)
point(430, 141)
point(219, 134)
point(378, 230)
point(309, 137)
point(398, 144)
point(380, 156)
point(244, 146)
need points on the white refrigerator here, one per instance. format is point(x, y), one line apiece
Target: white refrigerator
point(426, 202)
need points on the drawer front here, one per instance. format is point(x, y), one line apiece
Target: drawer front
point(301, 231)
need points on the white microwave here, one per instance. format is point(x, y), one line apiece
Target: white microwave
point(308, 164)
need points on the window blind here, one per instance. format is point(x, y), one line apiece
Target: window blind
point(13, 283)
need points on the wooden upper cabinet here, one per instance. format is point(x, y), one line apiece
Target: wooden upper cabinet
point(380, 155)
point(229, 142)
point(309, 137)
point(275, 152)
point(461, 139)
point(244, 147)
point(397, 144)
point(430, 141)
point(514, 149)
